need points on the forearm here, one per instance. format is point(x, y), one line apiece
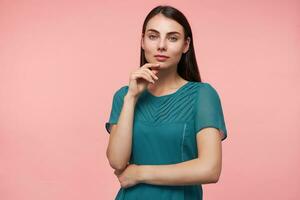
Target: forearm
point(191, 172)
point(120, 141)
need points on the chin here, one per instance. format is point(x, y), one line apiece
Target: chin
point(161, 63)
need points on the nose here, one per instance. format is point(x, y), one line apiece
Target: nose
point(162, 45)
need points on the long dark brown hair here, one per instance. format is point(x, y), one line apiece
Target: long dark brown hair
point(187, 67)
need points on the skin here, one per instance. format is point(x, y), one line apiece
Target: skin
point(172, 45)
point(202, 170)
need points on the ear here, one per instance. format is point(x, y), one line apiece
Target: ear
point(186, 44)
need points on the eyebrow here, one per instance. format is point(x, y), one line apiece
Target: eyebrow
point(169, 33)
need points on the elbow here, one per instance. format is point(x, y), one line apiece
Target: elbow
point(214, 179)
point(115, 164)
point(212, 173)
point(211, 178)
point(215, 175)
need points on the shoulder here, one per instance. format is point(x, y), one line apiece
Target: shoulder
point(121, 91)
point(205, 87)
point(207, 90)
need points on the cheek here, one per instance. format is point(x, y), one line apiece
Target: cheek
point(175, 52)
point(149, 46)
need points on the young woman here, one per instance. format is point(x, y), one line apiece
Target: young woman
point(166, 126)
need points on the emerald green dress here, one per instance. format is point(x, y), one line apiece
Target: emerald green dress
point(164, 132)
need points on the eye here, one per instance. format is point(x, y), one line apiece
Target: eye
point(152, 36)
point(173, 38)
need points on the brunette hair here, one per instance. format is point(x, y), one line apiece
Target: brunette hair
point(187, 67)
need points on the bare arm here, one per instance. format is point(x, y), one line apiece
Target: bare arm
point(120, 141)
point(191, 172)
point(202, 170)
point(119, 146)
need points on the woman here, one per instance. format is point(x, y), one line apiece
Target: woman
point(166, 126)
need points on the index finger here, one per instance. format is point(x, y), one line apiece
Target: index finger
point(152, 65)
point(155, 66)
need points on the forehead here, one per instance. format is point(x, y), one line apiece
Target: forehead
point(164, 24)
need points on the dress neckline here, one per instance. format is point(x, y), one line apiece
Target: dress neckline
point(168, 95)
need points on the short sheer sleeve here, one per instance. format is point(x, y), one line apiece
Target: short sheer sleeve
point(116, 106)
point(209, 111)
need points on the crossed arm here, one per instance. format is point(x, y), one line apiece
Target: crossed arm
point(202, 170)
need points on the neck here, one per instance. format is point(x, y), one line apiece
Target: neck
point(168, 79)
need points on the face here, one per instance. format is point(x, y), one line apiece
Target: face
point(164, 36)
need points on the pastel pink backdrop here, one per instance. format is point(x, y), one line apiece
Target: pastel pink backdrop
point(61, 62)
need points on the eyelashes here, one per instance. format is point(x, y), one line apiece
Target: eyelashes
point(154, 36)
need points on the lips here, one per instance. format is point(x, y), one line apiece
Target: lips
point(161, 56)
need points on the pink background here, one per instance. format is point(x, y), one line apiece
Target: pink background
point(61, 62)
